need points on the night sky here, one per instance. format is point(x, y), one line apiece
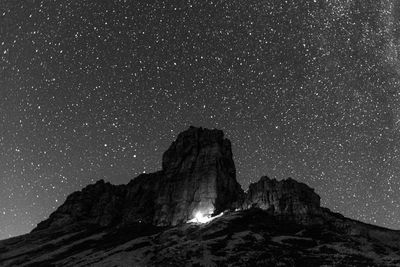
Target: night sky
point(99, 89)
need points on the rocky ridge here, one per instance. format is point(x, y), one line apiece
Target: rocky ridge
point(286, 197)
point(198, 175)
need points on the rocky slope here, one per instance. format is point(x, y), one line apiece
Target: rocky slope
point(252, 237)
point(145, 223)
point(286, 198)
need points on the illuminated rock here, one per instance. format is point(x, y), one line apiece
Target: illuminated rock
point(199, 175)
point(201, 217)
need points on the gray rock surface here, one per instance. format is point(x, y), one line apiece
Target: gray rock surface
point(199, 175)
point(95, 204)
point(286, 197)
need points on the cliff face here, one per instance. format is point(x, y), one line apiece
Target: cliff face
point(286, 197)
point(94, 204)
point(198, 175)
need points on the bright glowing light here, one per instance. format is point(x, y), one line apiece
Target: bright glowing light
point(199, 217)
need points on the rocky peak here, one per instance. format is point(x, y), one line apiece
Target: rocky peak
point(95, 204)
point(286, 197)
point(194, 139)
point(199, 176)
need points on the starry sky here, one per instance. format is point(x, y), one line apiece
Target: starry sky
point(98, 89)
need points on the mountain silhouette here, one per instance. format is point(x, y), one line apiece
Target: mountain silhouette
point(193, 212)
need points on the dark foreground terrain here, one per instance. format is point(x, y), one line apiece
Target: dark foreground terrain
point(244, 238)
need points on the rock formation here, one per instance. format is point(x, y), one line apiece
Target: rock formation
point(286, 197)
point(94, 204)
point(198, 175)
point(286, 228)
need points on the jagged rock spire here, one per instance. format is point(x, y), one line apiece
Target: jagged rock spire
point(199, 175)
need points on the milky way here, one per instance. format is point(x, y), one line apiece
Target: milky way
point(99, 89)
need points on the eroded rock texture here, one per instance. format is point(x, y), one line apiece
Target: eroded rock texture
point(286, 197)
point(96, 204)
point(199, 175)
